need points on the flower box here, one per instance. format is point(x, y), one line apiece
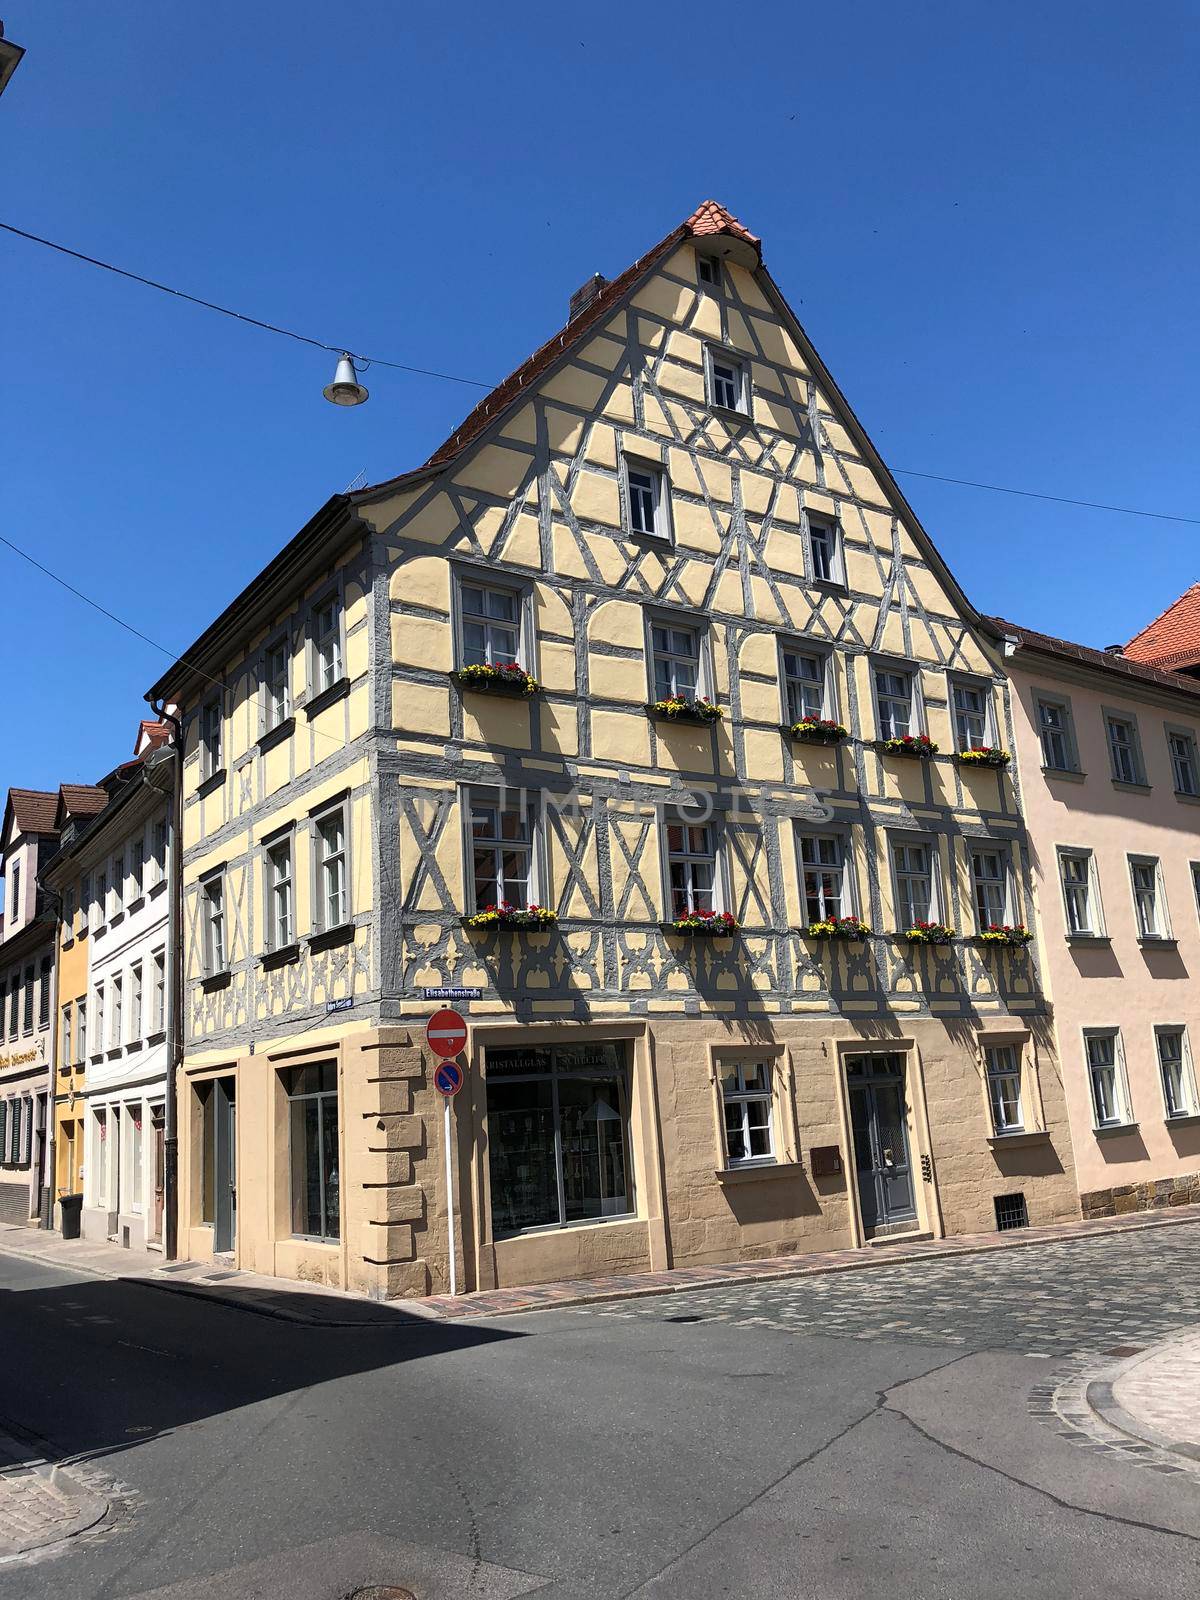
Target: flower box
point(837, 928)
point(1004, 933)
point(929, 933)
point(702, 925)
point(987, 755)
point(917, 746)
point(505, 678)
point(678, 708)
point(519, 919)
point(818, 730)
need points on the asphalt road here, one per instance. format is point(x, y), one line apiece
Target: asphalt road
point(839, 1437)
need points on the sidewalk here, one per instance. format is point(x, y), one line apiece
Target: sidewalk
point(316, 1306)
point(1155, 1397)
point(40, 1505)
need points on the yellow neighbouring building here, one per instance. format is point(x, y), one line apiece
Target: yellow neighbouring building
point(671, 500)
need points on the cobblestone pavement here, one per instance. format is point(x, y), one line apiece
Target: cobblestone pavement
point(1058, 1299)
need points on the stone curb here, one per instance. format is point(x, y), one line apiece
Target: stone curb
point(865, 1261)
point(90, 1508)
point(469, 1307)
point(1101, 1397)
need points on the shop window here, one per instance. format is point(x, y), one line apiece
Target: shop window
point(313, 1150)
point(558, 1135)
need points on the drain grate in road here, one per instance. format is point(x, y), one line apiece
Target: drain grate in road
point(1125, 1350)
point(386, 1591)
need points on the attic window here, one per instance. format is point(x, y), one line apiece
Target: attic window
point(709, 270)
point(728, 389)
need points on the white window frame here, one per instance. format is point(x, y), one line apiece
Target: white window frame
point(717, 355)
point(661, 522)
point(713, 264)
point(214, 931)
point(320, 865)
point(470, 577)
point(212, 736)
point(158, 992)
point(842, 868)
point(824, 660)
point(116, 1011)
point(1061, 704)
point(956, 683)
point(703, 658)
point(323, 676)
point(81, 1014)
point(1151, 865)
point(916, 708)
point(998, 1071)
point(1003, 851)
point(529, 805)
point(98, 1030)
point(137, 869)
point(276, 709)
point(136, 1003)
point(66, 1059)
point(279, 907)
point(828, 523)
point(159, 834)
point(1097, 930)
point(116, 886)
point(1122, 1113)
point(1188, 762)
point(929, 843)
point(1114, 718)
point(1190, 1106)
point(674, 816)
point(743, 1097)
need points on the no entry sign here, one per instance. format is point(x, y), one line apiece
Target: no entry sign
point(446, 1033)
point(448, 1079)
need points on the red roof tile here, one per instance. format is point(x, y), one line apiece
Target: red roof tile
point(1173, 638)
point(711, 217)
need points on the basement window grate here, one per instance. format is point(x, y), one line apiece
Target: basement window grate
point(1011, 1212)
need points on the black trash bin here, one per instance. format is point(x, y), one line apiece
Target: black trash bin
point(71, 1206)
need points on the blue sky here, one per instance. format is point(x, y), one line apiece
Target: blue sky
point(986, 219)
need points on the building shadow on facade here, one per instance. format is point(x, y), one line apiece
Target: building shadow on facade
point(1166, 963)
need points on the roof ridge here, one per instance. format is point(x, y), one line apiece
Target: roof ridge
point(1090, 655)
point(710, 218)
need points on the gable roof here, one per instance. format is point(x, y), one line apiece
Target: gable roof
point(1173, 638)
point(78, 800)
point(1107, 660)
point(32, 810)
point(336, 521)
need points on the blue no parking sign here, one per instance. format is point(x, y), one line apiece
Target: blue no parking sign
point(448, 1079)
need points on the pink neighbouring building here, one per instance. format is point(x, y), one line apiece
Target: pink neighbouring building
point(1106, 743)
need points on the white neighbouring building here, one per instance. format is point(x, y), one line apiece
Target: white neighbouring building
point(113, 878)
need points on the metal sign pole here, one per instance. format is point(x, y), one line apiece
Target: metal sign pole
point(450, 1200)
